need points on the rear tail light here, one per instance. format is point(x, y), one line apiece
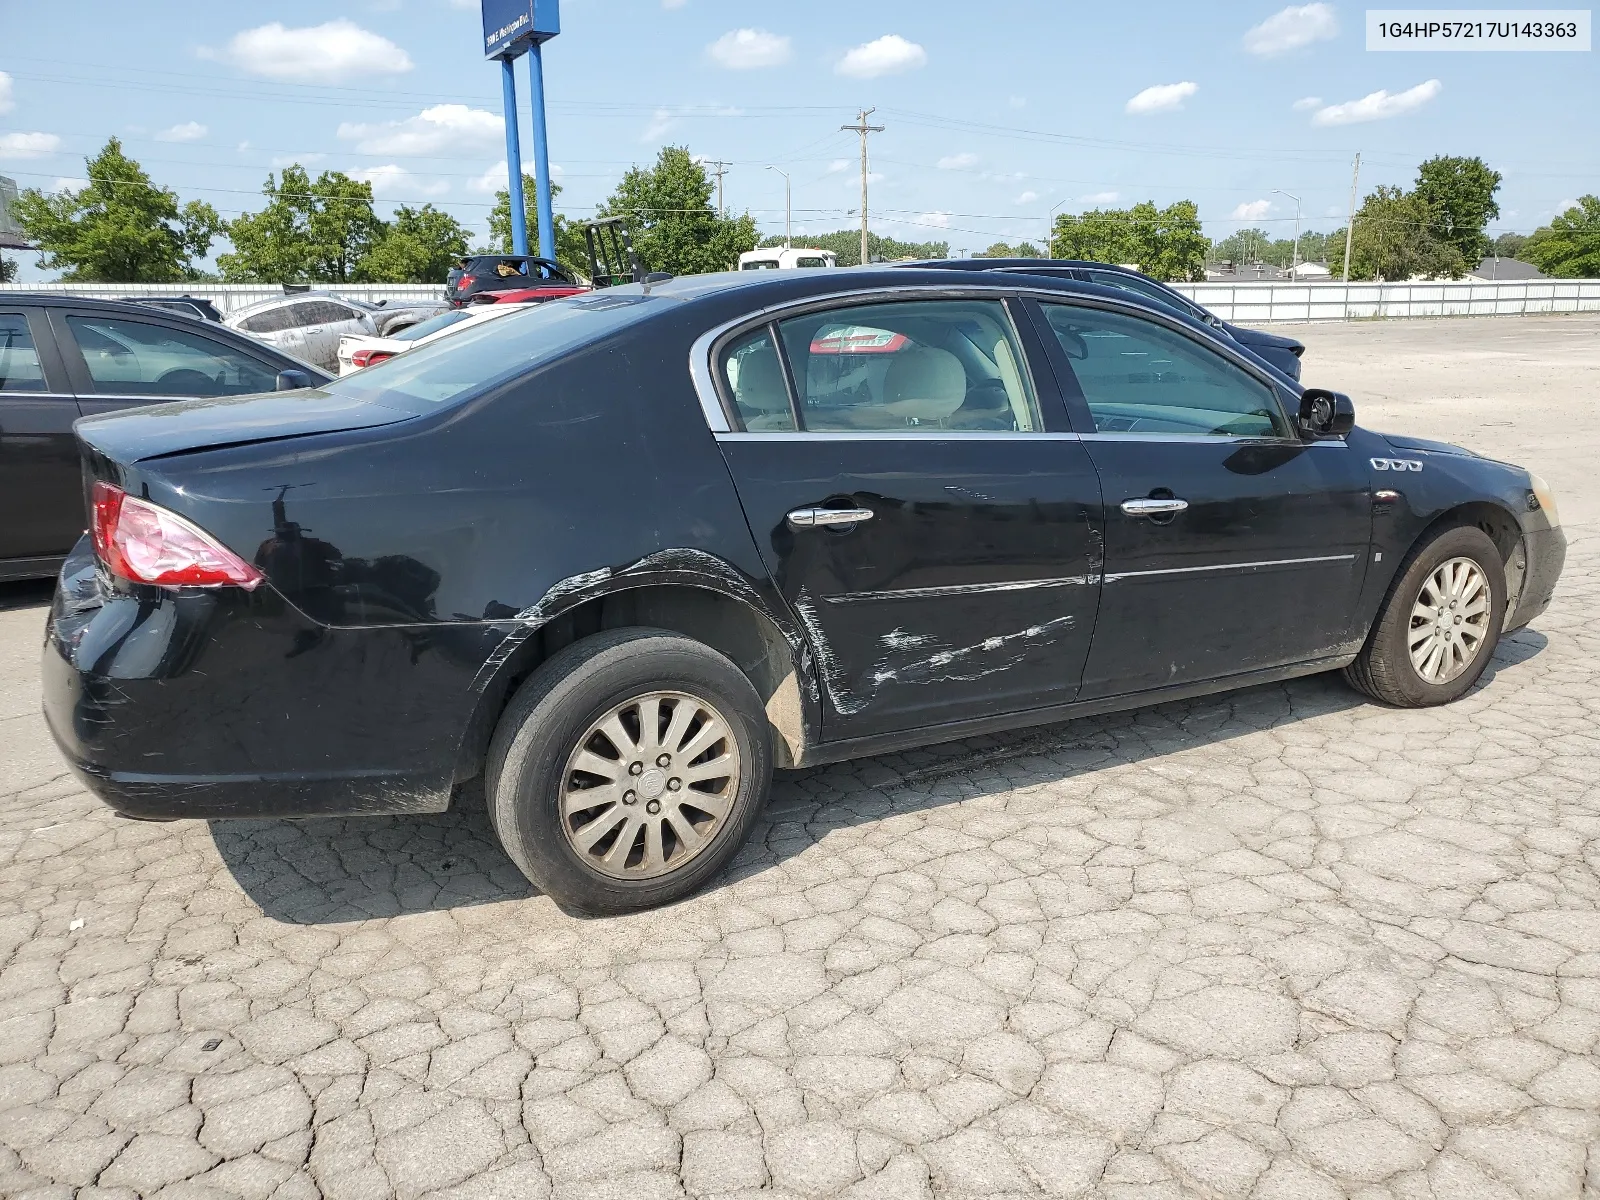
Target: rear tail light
point(365, 358)
point(145, 544)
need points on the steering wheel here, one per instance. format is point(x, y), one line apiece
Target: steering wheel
point(186, 381)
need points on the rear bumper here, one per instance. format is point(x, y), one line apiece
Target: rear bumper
point(193, 703)
point(1547, 554)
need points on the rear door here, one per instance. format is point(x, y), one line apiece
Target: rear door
point(41, 492)
point(1232, 543)
point(915, 494)
point(116, 361)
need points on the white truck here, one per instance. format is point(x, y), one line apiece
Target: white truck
point(783, 258)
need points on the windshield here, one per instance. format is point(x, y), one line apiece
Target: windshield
point(432, 325)
point(475, 359)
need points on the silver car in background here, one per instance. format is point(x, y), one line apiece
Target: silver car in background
point(309, 325)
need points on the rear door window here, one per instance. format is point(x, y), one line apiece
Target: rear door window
point(141, 358)
point(19, 357)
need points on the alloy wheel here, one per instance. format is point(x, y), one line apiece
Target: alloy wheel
point(1449, 621)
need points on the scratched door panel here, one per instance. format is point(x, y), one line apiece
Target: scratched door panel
point(972, 590)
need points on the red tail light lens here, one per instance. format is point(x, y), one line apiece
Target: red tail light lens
point(145, 544)
point(365, 358)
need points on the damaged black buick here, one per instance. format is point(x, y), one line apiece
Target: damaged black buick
point(625, 554)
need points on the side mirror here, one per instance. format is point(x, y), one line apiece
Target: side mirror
point(292, 380)
point(1326, 414)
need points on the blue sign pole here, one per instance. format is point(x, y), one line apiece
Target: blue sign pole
point(541, 153)
point(519, 212)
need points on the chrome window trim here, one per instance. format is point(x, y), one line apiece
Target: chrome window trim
point(963, 589)
point(931, 433)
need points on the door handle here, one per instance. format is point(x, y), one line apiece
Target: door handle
point(811, 518)
point(1151, 507)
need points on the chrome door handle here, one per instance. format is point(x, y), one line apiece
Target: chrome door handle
point(1152, 507)
point(810, 518)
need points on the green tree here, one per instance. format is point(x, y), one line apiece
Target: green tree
point(1165, 243)
point(1509, 245)
point(1242, 246)
point(120, 227)
point(1395, 238)
point(1569, 247)
point(1007, 250)
point(571, 249)
point(309, 232)
point(419, 246)
point(675, 226)
point(1459, 196)
point(8, 269)
point(846, 246)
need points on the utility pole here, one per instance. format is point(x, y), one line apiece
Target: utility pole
point(863, 129)
point(719, 169)
point(1294, 255)
point(1350, 225)
point(786, 208)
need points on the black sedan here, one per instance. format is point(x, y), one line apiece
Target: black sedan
point(65, 357)
point(1277, 351)
point(622, 555)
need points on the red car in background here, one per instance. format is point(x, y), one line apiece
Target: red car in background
point(490, 278)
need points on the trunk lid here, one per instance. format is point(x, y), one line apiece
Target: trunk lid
point(140, 434)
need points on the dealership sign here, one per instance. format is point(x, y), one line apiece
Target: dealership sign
point(511, 26)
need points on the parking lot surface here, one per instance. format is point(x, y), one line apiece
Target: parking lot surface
point(1280, 943)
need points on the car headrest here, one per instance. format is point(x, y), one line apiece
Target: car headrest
point(760, 388)
point(924, 384)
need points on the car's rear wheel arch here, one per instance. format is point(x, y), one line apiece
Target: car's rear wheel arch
point(728, 624)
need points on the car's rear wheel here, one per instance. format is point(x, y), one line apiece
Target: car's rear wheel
point(1440, 625)
point(626, 771)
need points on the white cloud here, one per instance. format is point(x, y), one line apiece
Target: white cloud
point(888, 55)
point(1099, 198)
point(432, 131)
point(1378, 106)
point(1252, 210)
point(465, 5)
point(1018, 102)
point(837, 165)
point(1306, 103)
point(749, 49)
point(1292, 28)
point(1163, 97)
point(939, 220)
point(958, 162)
point(189, 131)
point(393, 182)
point(69, 184)
point(660, 121)
point(1563, 205)
point(492, 180)
point(1027, 198)
point(325, 53)
point(243, 146)
point(28, 145)
point(7, 100)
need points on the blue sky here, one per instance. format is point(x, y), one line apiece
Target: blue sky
point(995, 113)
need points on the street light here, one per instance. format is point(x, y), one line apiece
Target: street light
point(785, 175)
point(1294, 260)
point(1050, 231)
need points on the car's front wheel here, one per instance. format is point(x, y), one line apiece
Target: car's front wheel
point(1439, 626)
point(626, 770)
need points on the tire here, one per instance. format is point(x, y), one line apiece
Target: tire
point(537, 759)
point(1385, 669)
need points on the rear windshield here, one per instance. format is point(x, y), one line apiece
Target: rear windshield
point(474, 360)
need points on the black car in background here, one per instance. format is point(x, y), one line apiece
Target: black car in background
point(622, 555)
point(61, 358)
point(1280, 352)
point(502, 273)
point(188, 306)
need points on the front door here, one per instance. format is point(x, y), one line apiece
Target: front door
point(41, 483)
point(1232, 543)
point(917, 499)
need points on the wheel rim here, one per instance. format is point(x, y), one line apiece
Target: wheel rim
point(1449, 621)
point(649, 786)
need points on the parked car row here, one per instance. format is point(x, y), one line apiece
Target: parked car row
point(621, 555)
point(310, 325)
point(357, 351)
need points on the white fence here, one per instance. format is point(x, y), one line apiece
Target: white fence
point(1289, 301)
point(229, 296)
point(1245, 302)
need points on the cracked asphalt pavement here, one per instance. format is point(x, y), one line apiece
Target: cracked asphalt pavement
point(1279, 943)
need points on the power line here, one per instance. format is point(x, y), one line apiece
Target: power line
point(861, 127)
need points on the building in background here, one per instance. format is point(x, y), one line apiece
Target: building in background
point(1513, 269)
point(10, 232)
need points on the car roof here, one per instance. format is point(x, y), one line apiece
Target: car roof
point(60, 299)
